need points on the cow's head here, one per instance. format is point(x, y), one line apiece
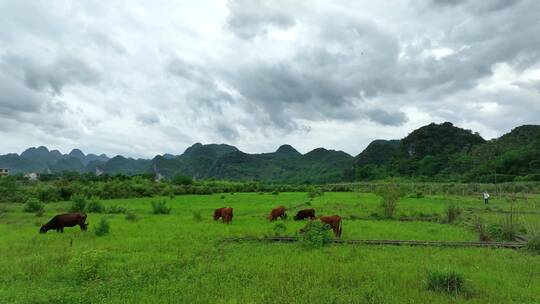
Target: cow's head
point(43, 229)
point(84, 227)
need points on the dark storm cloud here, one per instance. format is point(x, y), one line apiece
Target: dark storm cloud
point(16, 97)
point(148, 118)
point(55, 76)
point(226, 131)
point(249, 18)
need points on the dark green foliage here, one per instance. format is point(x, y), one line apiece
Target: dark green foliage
point(182, 180)
point(417, 194)
point(452, 213)
point(279, 228)
point(222, 196)
point(78, 203)
point(510, 224)
point(131, 216)
point(94, 206)
point(197, 217)
point(533, 244)
point(160, 207)
point(33, 205)
point(315, 234)
point(275, 192)
point(116, 210)
point(315, 192)
point(446, 281)
point(390, 195)
point(103, 227)
point(482, 230)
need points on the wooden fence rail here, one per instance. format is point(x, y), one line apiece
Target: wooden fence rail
point(512, 245)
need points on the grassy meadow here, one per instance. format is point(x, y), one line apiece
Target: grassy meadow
point(178, 257)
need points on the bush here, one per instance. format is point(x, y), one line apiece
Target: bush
point(222, 196)
point(389, 198)
point(510, 224)
point(275, 192)
point(182, 180)
point(102, 228)
point(279, 229)
point(481, 228)
point(197, 217)
point(452, 213)
point(94, 206)
point(78, 203)
point(33, 205)
point(314, 192)
point(116, 210)
point(131, 216)
point(315, 234)
point(445, 281)
point(418, 194)
point(160, 207)
point(533, 244)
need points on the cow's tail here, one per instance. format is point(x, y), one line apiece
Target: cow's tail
point(339, 229)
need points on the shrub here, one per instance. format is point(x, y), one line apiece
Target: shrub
point(510, 224)
point(445, 281)
point(275, 192)
point(116, 210)
point(160, 207)
point(279, 228)
point(452, 213)
point(33, 205)
point(417, 194)
point(182, 180)
point(389, 198)
point(102, 228)
point(314, 192)
point(315, 234)
point(495, 232)
point(197, 217)
point(481, 228)
point(78, 203)
point(222, 196)
point(94, 206)
point(131, 216)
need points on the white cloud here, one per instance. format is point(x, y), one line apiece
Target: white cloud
point(139, 79)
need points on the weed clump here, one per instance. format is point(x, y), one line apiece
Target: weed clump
point(390, 196)
point(482, 230)
point(160, 207)
point(78, 203)
point(315, 192)
point(533, 244)
point(452, 213)
point(34, 205)
point(197, 217)
point(447, 281)
point(103, 227)
point(94, 206)
point(315, 234)
point(279, 229)
point(131, 216)
point(116, 210)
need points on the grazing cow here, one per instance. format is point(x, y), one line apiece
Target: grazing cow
point(227, 214)
point(334, 221)
point(304, 214)
point(65, 220)
point(277, 212)
point(218, 213)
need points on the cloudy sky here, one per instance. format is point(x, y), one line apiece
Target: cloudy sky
point(141, 78)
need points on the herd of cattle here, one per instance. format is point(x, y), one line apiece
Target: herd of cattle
point(226, 214)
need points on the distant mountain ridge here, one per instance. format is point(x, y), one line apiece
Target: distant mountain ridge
point(435, 151)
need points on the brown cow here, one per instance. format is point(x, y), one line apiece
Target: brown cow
point(277, 212)
point(218, 213)
point(227, 214)
point(334, 221)
point(65, 220)
point(304, 214)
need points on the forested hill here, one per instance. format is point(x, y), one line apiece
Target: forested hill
point(443, 152)
point(436, 152)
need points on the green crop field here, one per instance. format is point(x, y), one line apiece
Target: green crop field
point(179, 257)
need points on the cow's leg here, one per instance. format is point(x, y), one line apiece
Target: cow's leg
point(62, 230)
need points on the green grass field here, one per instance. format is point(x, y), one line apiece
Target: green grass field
point(176, 259)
